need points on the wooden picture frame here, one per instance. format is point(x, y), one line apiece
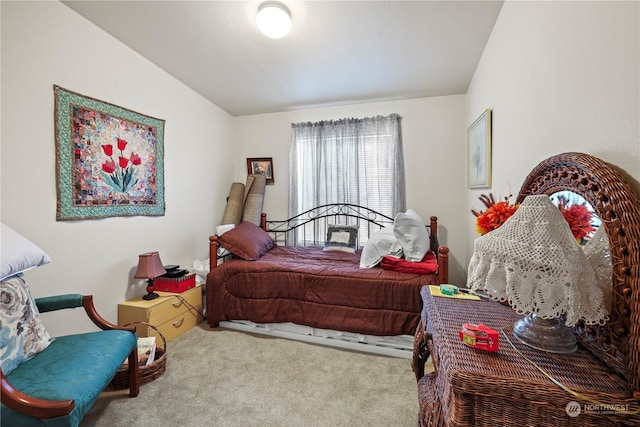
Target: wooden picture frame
point(261, 166)
point(109, 160)
point(479, 152)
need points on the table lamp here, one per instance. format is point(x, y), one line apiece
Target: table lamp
point(534, 263)
point(149, 267)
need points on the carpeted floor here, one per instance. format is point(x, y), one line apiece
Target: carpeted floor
point(228, 378)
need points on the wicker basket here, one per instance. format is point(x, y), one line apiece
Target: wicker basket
point(147, 373)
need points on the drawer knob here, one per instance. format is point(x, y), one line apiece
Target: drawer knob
point(178, 323)
point(177, 303)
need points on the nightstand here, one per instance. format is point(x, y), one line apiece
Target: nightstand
point(477, 388)
point(172, 313)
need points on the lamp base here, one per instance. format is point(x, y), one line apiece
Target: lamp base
point(545, 334)
point(150, 288)
point(150, 295)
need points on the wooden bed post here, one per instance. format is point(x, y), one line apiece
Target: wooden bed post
point(213, 252)
point(263, 221)
point(433, 226)
point(443, 265)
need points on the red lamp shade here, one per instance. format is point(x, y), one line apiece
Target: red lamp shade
point(149, 266)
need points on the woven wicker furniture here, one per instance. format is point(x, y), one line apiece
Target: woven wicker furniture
point(470, 387)
point(476, 388)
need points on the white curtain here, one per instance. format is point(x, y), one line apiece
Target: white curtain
point(356, 161)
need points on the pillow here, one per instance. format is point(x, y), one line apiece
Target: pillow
point(220, 230)
point(341, 238)
point(23, 335)
point(380, 243)
point(19, 254)
point(247, 241)
point(412, 235)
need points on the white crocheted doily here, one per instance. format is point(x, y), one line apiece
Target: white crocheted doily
point(598, 253)
point(533, 262)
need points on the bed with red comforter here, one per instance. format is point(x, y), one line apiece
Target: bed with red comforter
point(309, 286)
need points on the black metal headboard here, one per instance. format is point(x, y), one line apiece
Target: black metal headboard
point(310, 227)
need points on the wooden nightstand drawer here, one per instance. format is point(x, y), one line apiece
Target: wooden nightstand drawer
point(171, 313)
point(178, 325)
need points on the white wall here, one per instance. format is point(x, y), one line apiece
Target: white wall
point(433, 134)
point(559, 76)
point(46, 43)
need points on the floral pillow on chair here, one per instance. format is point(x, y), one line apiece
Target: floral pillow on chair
point(23, 334)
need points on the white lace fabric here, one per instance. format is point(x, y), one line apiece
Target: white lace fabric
point(598, 254)
point(533, 262)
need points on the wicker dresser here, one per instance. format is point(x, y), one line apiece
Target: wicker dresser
point(476, 388)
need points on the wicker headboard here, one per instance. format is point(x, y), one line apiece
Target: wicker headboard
point(617, 343)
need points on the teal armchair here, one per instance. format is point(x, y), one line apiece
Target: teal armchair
point(59, 385)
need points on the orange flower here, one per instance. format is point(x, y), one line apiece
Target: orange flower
point(495, 215)
point(577, 216)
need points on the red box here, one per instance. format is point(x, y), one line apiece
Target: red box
point(175, 284)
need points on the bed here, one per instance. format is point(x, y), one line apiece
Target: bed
point(279, 277)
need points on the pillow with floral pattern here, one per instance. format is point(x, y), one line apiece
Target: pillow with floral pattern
point(23, 334)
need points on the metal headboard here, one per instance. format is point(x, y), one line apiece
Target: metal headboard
point(310, 227)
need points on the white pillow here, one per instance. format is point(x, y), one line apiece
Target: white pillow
point(380, 243)
point(19, 254)
point(412, 234)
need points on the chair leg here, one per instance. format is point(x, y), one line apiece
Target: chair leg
point(134, 374)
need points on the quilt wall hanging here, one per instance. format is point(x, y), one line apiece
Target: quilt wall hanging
point(109, 160)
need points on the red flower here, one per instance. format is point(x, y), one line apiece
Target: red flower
point(108, 149)
point(123, 162)
point(495, 215)
point(109, 166)
point(135, 159)
point(122, 144)
point(578, 216)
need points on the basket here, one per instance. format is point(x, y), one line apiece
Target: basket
point(146, 373)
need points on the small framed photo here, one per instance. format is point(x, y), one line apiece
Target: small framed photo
point(261, 166)
point(479, 152)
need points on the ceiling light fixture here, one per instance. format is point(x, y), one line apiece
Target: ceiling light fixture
point(274, 19)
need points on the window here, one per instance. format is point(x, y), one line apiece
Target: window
point(357, 161)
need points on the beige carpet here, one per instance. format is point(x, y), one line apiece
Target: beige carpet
point(228, 378)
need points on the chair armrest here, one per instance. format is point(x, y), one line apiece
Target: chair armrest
point(58, 302)
point(99, 321)
point(38, 408)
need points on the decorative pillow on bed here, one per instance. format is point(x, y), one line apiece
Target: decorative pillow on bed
point(412, 234)
point(247, 241)
point(341, 238)
point(381, 243)
point(23, 335)
point(19, 254)
point(220, 230)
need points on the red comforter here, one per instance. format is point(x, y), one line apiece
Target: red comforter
point(312, 287)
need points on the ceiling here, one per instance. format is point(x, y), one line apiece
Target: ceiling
point(338, 52)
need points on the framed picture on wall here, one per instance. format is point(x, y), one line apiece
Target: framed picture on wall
point(261, 166)
point(479, 152)
point(109, 159)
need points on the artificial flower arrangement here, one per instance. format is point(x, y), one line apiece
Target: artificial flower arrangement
point(579, 218)
point(496, 213)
